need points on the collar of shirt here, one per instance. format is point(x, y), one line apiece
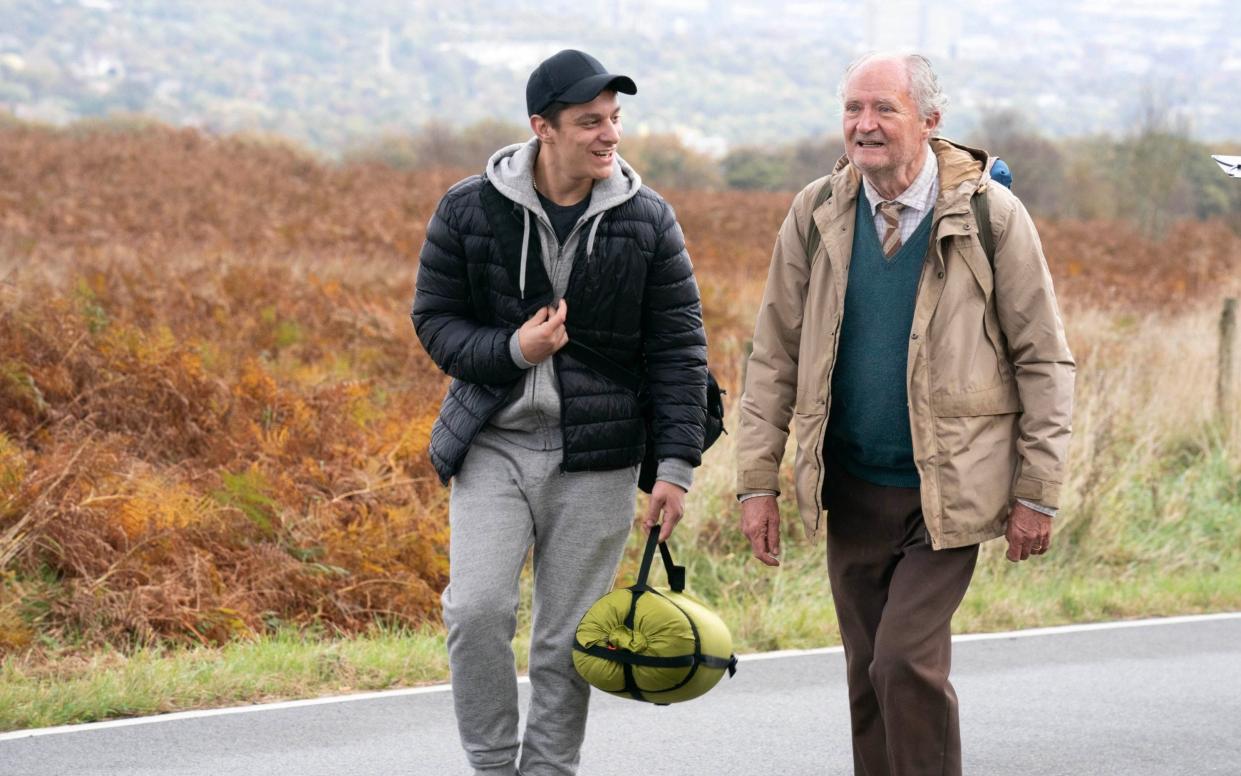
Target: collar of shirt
point(919, 197)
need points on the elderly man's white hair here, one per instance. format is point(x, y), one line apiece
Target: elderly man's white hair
point(923, 84)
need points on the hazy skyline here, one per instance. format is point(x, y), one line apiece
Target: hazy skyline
point(717, 72)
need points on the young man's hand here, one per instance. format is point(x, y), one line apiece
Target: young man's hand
point(669, 500)
point(544, 333)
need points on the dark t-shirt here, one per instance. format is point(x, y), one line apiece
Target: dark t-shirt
point(563, 217)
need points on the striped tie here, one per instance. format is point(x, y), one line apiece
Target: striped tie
point(891, 212)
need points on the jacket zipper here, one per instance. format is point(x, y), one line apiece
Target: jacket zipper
point(827, 413)
point(540, 417)
point(556, 267)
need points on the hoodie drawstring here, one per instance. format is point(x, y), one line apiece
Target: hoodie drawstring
point(590, 241)
point(525, 245)
point(525, 250)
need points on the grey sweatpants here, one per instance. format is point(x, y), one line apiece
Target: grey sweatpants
point(510, 494)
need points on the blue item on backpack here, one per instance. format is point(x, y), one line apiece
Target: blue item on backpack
point(1001, 174)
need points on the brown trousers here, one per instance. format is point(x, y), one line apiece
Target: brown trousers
point(895, 597)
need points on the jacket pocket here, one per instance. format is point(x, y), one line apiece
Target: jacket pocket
point(970, 352)
point(975, 460)
point(971, 252)
point(1000, 399)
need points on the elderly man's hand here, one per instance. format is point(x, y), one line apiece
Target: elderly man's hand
point(1028, 533)
point(760, 522)
point(666, 499)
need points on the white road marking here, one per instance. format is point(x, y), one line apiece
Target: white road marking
point(439, 688)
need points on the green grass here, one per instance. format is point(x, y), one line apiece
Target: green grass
point(1163, 539)
point(151, 681)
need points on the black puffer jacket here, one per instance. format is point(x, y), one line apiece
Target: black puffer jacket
point(634, 300)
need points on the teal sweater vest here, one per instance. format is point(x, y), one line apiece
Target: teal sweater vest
point(868, 430)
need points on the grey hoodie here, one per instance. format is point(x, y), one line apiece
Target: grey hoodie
point(533, 411)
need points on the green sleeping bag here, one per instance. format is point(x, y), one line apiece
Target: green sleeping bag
point(653, 644)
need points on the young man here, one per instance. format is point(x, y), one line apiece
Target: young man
point(558, 241)
point(930, 388)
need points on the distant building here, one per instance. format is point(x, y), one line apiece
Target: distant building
point(384, 54)
point(98, 68)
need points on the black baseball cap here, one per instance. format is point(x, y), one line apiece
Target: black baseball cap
point(574, 77)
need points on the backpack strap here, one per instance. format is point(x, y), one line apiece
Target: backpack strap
point(505, 218)
point(813, 237)
point(982, 217)
point(604, 365)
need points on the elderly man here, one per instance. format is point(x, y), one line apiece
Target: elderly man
point(555, 255)
point(929, 386)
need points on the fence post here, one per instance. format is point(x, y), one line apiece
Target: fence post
point(1227, 339)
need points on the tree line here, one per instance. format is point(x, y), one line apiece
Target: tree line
point(1153, 175)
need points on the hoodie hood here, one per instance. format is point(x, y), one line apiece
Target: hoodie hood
point(511, 171)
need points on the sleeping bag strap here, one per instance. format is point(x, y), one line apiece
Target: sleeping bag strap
point(625, 657)
point(676, 574)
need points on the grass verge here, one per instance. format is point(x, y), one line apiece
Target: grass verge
point(42, 692)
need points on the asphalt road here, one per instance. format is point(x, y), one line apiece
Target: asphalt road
point(1159, 698)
